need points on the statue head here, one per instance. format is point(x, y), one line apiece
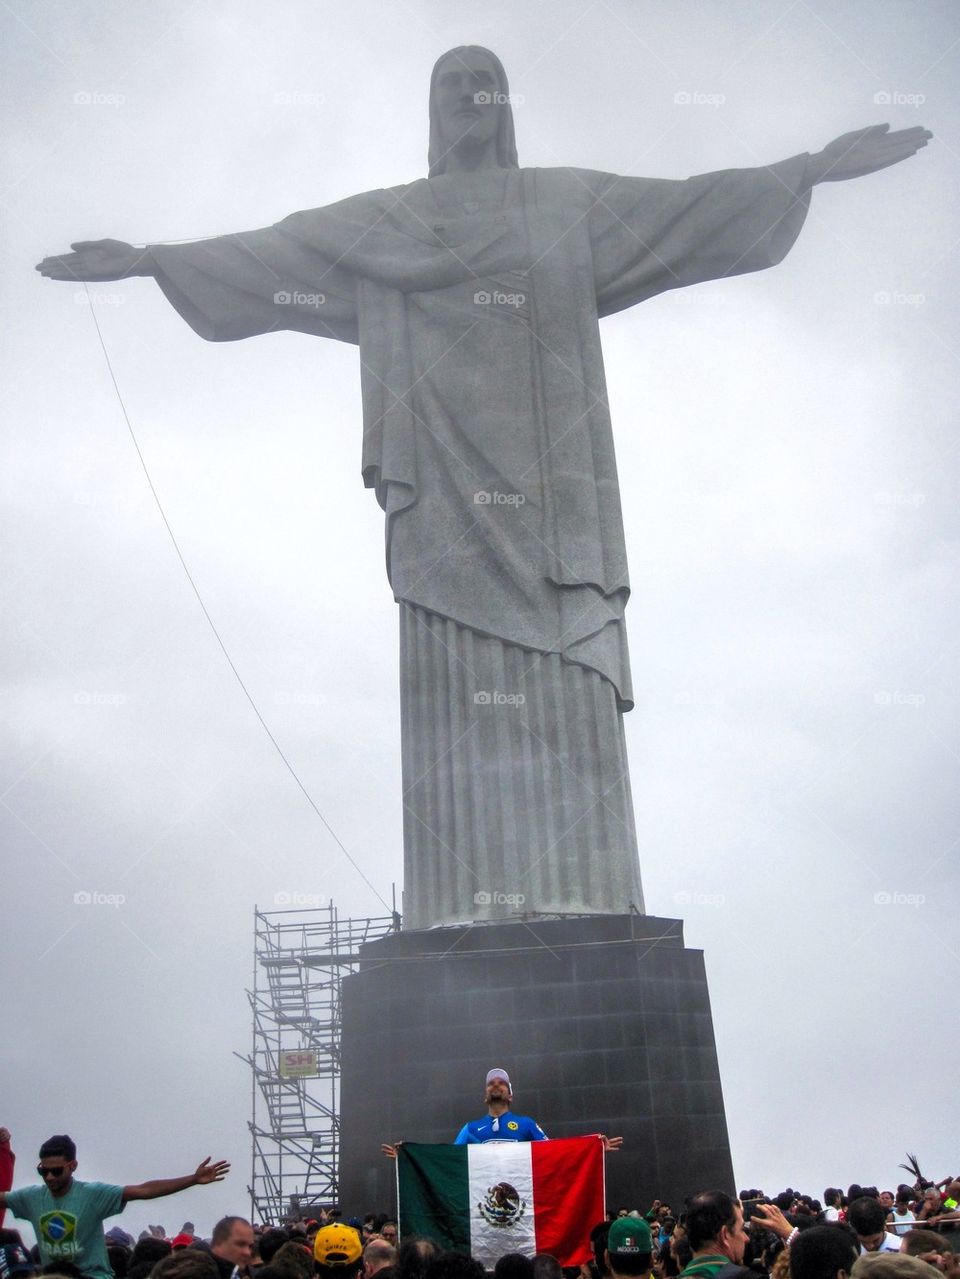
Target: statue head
point(470, 108)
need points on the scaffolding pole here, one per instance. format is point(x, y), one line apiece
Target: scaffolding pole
point(300, 959)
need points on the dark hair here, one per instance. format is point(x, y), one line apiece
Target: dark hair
point(338, 1271)
point(455, 1265)
point(598, 1242)
point(65, 1268)
point(186, 1263)
point(707, 1214)
point(415, 1254)
point(546, 1266)
point(513, 1265)
point(118, 1255)
point(915, 1242)
point(294, 1260)
point(867, 1215)
point(630, 1263)
point(149, 1251)
point(683, 1252)
point(818, 1253)
point(271, 1241)
point(342, 1271)
point(224, 1228)
point(61, 1146)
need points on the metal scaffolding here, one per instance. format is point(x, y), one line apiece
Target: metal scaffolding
point(300, 958)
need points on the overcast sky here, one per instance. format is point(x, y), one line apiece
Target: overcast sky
point(788, 450)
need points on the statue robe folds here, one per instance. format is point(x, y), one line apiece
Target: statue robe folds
point(487, 439)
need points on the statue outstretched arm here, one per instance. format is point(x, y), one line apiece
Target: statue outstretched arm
point(231, 286)
point(98, 260)
point(863, 151)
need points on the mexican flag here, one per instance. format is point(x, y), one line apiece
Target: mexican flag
point(504, 1196)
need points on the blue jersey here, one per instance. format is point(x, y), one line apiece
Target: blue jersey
point(508, 1127)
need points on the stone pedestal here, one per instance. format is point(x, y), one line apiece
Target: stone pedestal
point(603, 1023)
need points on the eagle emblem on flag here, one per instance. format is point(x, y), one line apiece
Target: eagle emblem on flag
point(502, 1205)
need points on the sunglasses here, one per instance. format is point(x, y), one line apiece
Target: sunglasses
point(50, 1172)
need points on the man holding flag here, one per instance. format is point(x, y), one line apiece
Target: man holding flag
point(499, 1123)
point(503, 1186)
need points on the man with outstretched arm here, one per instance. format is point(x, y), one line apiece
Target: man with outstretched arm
point(67, 1215)
point(500, 1123)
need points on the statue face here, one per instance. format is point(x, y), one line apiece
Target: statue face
point(467, 93)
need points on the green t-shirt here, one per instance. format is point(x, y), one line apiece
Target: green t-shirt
point(70, 1228)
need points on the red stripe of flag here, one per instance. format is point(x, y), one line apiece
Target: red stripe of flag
point(568, 1196)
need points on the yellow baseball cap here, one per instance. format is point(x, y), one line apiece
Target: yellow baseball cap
point(337, 1245)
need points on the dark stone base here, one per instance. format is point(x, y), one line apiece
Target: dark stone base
point(602, 1022)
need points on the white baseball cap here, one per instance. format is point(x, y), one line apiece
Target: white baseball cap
point(498, 1073)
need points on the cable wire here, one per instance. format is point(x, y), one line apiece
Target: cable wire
point(223, 648)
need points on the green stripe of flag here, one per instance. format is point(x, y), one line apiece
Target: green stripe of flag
point(433, 1194)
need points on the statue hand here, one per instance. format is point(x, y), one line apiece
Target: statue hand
point(865, 151)
point(97, 260)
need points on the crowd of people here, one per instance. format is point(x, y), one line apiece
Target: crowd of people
point(863, 1233)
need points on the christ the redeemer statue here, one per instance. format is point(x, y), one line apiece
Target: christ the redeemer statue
point(474, 296)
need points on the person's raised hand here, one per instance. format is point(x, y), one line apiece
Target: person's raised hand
point(865, 151)
point(96, 260)
point(614, 1143)
point(207, 1172)
point(4, 1136)
point(771, 1218)
point(390, 1151)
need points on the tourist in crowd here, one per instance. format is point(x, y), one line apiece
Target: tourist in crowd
point(231, 1246)
point(337, 1252)
point(824, 1252)
point(629, 1251)
point(717, 1236)
point(378, 1255)
point(933, 1248)
point(930, 1204)
point(901, 1217)
point(868, 1217)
